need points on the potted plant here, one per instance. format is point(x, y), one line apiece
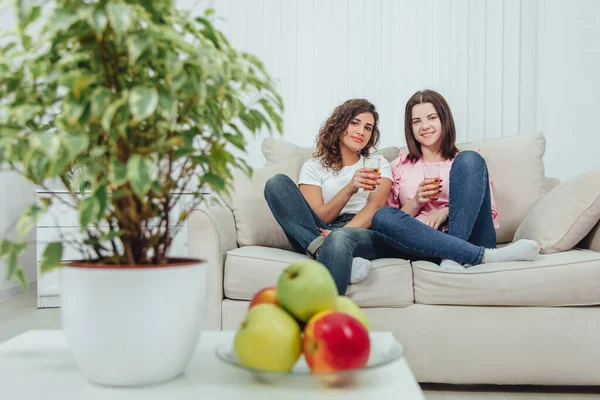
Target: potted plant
point(127, 104)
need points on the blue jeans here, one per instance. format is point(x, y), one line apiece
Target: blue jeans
point(470, 224)
point(300, 223)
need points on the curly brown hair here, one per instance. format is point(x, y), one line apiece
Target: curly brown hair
point(328, 139)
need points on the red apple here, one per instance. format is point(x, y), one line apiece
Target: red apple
point(266, 295)
point(335, 341)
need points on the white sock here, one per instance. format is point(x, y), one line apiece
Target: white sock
point(521, 250)
point(360, 269)
point(451, 265)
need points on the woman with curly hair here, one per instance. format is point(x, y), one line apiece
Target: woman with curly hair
point(340, 187)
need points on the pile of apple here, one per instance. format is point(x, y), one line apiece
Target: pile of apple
point(303, 314)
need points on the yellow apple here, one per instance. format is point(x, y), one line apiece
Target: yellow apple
point(346, 305)
point(268, 339)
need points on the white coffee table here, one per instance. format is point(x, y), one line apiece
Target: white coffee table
point(39, 365)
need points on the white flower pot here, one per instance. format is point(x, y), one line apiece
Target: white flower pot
point(133, 326)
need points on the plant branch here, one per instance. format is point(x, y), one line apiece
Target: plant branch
point(103, 58)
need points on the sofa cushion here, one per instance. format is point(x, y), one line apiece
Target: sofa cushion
point(564, 216)
point(517, 170)
point(251, 268)
point(561, 279)
point(254, 222)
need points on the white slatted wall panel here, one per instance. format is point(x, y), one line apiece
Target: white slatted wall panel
point(480, 54)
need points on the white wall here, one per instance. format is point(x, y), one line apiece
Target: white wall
point(505, 66)
point(476, 53)
point(569, 85)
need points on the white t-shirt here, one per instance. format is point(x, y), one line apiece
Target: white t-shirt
point(331, 182)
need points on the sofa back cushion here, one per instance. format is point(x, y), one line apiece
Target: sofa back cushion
point(565, 215)
point(254, 221)
point(515, 165)
point(517, 170)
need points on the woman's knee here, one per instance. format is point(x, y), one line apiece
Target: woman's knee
point(469, 159)
point(277, 182)
point(348, 237)
point(384, 216)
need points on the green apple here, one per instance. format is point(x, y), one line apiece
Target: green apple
point(347, 306)
point(305, 288)
point(268, 339)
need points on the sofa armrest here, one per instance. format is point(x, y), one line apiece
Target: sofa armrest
point(211, 234)
point(592, 240)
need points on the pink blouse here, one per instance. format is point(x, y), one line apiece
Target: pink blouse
point(407, 176)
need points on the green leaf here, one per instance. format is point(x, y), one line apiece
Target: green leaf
point(248, 121)
point(76, 144)
point(259, 118)
point(5, 246)
point(81, 83)
point(51, 257)
point(101, 195)
point(12, 263)
point(98, 21)
point(139, 173)
point(33, 15)
point(89, 208)
point(209, 32)
point(28, 219)
point(273, 115)
point(166, 102)
point(109, 113)
point(12, 259)
point(20, 275)
point(215, 181)
point(62, 20)
point(48, 142)
point(136, 45)
point(142, 102)
point(117, 172)
point(100, 100)
point(120, 17)
point(26, 42)
point(73, 112)
point(182, 153)
point(236, 140)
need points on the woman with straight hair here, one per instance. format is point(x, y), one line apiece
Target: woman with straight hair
point(441, 205)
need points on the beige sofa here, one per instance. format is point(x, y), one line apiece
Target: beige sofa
point(504, 323)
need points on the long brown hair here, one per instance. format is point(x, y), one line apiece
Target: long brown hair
point(448, 148)
point(328, 139)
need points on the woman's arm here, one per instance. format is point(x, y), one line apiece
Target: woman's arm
point(376, 201)
point(426, 188)
point(411, 208)
point(329, 211)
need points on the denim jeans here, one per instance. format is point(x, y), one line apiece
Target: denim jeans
point(470, 224)
point(300, 223)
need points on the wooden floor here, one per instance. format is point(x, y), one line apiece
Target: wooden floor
point(20, 314)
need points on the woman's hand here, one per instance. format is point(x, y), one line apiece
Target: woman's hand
point(364, 178)
point(436, 218)
point(425, 189)
point(324, 232)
